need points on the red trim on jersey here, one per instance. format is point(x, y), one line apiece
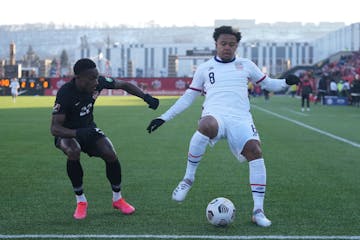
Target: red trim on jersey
point(190, 155)
point(261, 79)
point(195, 89)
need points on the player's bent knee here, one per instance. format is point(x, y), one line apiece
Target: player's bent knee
point(252, 150)
point(109, 156)
point(73, 153)
point(208, 126)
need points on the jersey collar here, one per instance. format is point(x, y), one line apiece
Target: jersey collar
point(221, 61)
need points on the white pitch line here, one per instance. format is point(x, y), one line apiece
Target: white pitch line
point(355, 144)
point(146, 236)
point(296, 112)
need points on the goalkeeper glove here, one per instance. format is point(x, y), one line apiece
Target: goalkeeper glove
point(153, 102)
point(154, 124)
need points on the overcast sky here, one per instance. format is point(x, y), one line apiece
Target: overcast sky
point(175, 13)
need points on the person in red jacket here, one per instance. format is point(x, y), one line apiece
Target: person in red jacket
point(305, 91)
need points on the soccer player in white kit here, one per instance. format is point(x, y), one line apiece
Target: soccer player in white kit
point(14, 85)
point(226, 114)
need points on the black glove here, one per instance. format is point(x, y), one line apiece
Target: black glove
point(154, 124)
point(83, 134)
point(153, 102)
point(292, 79)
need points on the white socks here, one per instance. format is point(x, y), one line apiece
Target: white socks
point(197, 148)
point(257, 175)
point(80, 198)
point(116, 196)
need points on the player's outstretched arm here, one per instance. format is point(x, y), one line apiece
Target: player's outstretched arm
point(134, 90)
point(276, 85)
point(180, 105)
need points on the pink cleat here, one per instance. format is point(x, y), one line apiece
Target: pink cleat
point(80, 211)
point(123, 206)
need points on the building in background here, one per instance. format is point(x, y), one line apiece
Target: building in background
point(177, 51)
point(344, 39)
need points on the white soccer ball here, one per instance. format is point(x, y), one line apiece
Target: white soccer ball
point(220, 212)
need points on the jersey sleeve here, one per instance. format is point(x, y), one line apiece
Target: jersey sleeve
point(255, 74)
point(61, 103)
point(197, 83)
point(180, 105)
point(194, 90)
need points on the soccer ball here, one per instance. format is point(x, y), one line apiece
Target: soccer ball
point(220, 212)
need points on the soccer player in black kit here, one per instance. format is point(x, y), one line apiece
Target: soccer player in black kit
point(75, 131)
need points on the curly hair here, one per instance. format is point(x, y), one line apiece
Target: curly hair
point(83, 64)
point(226, 30)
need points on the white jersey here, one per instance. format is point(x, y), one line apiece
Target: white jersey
point(14, 85)
point(225, 86)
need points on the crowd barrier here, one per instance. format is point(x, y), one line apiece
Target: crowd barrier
point(50, 86)
point(335, 100)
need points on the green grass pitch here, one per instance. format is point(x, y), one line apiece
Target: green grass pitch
point(313, 178)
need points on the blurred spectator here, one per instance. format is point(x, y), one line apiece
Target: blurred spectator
point(355, 91)
point(339, 86)
point(333, 88)
point(251, 89)
point(345, 91)
point(266, 95)
point(322, 89)
point(293, 90)
point(305, 91)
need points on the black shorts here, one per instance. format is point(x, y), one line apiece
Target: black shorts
point(87, 145)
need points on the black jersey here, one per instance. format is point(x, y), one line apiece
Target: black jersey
point(78, 106)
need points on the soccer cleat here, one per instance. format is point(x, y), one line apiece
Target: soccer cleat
point(123, 206)
point(260, 219)
point(180, 192)
point(81, 210)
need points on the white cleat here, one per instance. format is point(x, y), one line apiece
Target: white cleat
point(180, 192)
point(260, 219)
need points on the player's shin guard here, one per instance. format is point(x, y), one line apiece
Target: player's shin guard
point(257, 175)
point(75, 173)
point(197, 148)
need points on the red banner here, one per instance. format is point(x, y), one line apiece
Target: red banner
point(154, 86)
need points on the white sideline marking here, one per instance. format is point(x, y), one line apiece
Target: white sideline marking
point(295, 112)
point(30, 236)
point(355, 144)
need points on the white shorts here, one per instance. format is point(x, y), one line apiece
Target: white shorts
point(14, 92)
point(237, 132)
